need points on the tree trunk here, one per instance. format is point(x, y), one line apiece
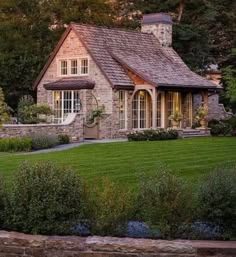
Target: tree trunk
point(182, 4)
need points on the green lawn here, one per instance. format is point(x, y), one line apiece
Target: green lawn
point(189, 158)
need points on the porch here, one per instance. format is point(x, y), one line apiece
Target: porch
point(151, 107)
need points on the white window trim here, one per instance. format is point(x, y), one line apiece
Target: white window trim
point(62, 103)
point(138, 119)
point(78, 58)
point(126, 112)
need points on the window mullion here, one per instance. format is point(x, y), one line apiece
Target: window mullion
point(72, 101)
point(62, 105)
point(138, 111)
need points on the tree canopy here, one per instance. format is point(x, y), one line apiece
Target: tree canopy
point(204, 32)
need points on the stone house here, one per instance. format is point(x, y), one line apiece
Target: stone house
point(137, 77)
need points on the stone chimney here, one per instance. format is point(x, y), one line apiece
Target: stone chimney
point(159, 24)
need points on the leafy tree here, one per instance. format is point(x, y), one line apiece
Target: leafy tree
point(4, 110)
point(30, 30)
point(229, 81)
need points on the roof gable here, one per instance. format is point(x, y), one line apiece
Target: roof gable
point(115, 50)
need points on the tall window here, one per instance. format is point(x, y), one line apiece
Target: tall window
point(74, 67)
point(123, 109)
point(141, 110)
point(159, 110)
point(64, 70)
point(65, 102)
point(173, 104)
point(84, 66)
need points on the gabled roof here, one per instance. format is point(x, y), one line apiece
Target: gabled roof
point(115, 50)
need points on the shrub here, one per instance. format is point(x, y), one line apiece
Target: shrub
point(45, 199)
point(109, 208)
point(4, 109)
point(153, 135)
point(31, 113)
point(63, 139)
point(22, 109)
point(222, 127)
point(165, 201)
point(15, 144)
point(43, 141)
point(217, 198)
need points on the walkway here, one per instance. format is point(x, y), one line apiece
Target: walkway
point(73, 145)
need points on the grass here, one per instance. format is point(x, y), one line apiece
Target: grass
point(189, 158)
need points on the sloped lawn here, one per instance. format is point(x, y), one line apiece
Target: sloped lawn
point(189, 158)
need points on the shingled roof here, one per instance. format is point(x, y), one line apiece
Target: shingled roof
point(115, 50)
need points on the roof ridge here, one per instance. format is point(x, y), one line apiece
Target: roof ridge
point(111, 28)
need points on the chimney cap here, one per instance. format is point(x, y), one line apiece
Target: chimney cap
point(155, 18)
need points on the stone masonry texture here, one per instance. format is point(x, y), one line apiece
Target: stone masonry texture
point(21, 245)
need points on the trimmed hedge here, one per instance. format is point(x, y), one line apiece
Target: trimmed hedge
point(16, 144)
point(153, 135)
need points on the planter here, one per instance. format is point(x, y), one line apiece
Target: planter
point(175, 124)
point(203, 123)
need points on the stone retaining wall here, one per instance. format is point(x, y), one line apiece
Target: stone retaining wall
point(20, 245)
point(74, 129)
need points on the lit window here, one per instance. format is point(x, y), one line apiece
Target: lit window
point(123, 109)
point(141, 110)
point(65, 102)
point(64, 70)
point(74, 67)
point(84, 66)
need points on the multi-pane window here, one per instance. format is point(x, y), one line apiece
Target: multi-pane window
point(65, 102)
point(74, 67)
point(64, 70)
point(173, 104)
point(84, 66)
point(123, 109)
point(141, 110)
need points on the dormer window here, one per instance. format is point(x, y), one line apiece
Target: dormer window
point(64, 70)
point(84, 66)
point(73, 67)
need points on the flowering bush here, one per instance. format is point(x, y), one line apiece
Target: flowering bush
point(176, 116)
point(201, 113)
point(153, 135)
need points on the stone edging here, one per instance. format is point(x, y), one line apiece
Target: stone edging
point(17, 244)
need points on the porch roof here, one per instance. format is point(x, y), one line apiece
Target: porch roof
point(70, 84)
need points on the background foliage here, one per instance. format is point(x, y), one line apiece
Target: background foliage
point(204, 33)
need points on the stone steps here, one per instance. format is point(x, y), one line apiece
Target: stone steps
point(188, 133)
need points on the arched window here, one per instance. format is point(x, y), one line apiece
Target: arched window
point(141, 110)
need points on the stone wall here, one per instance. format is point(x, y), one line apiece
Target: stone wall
point(20, 245)
point(215, 109)
point(74, 129)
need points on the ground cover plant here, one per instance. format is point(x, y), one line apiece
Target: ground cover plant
point(189, 158)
